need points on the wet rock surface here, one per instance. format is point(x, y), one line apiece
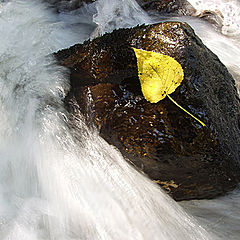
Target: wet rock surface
point(179, 7)
point(168, 8)
point(174, 150)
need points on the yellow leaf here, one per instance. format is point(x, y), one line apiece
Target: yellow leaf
point(159, 76)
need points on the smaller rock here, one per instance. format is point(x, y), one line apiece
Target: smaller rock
point(179, 7)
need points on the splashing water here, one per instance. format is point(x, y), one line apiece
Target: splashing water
point(118, 14)
point(227, 13)
point(57, 183)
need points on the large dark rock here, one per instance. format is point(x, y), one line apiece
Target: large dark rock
point(174, 150)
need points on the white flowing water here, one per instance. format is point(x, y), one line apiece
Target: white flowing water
point(57, 183)
point(112, 15)
point(227, 13)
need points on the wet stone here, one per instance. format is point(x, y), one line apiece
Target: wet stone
point(175, 7)
point(188, 160)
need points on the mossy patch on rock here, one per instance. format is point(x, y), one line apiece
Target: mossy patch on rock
point(160, 139)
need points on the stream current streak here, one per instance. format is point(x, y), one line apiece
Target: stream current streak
point(53, 186)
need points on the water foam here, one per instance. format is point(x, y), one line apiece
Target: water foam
point(116, 14)
point(226, 11)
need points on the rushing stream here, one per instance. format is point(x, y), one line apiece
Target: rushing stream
point(59, 183)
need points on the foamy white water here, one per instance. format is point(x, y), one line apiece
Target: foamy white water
point(57, 183)
point(114, 14)
point(227, 13)
point(101, 16)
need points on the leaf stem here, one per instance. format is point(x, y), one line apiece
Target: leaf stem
point(186, 111)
